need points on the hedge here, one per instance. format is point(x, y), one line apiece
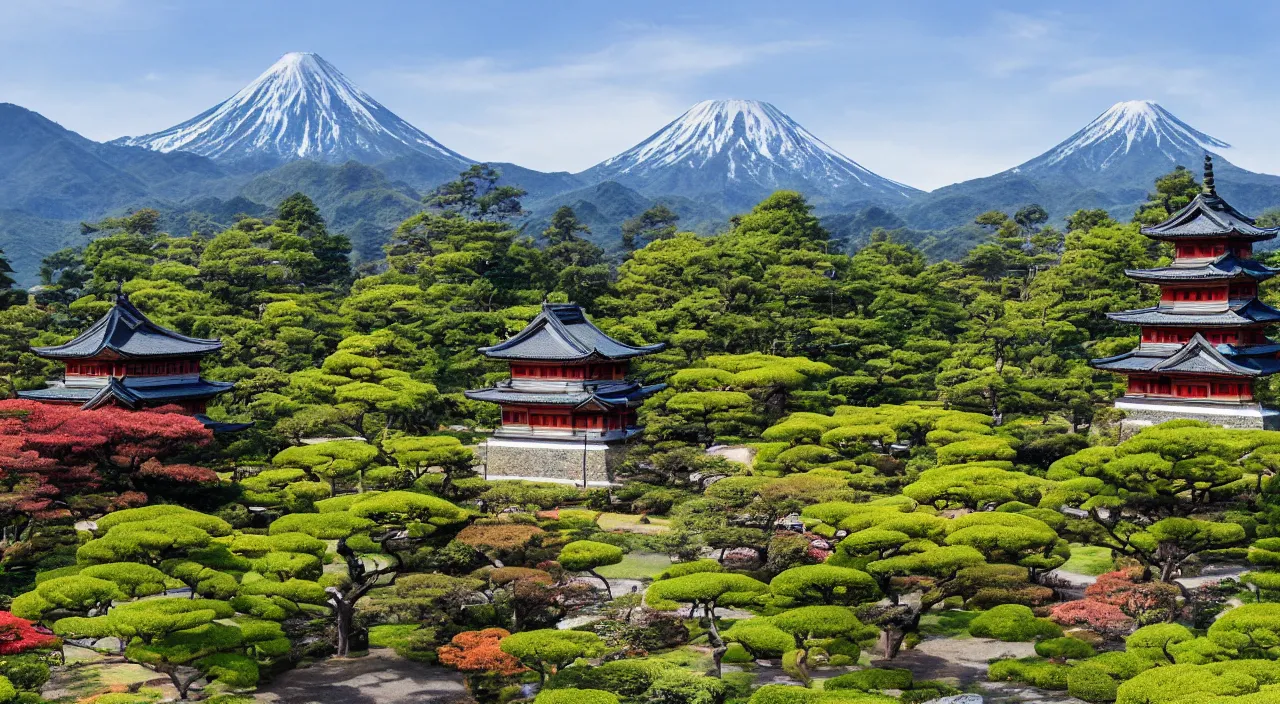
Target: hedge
point(1013, 623)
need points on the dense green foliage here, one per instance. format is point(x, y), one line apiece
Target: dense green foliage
point(916, 447)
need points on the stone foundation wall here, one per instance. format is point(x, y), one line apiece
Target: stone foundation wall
point(1138, 418)
point(551, 461)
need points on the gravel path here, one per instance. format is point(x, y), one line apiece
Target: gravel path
point(381, 677)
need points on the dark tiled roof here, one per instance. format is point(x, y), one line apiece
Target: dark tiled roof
point(58, 392)
point(1251, 312)
point(219, 426)
point(1198, 356)
point(620, 394)
point(562, 333)
point(1208, 215)
point(129, 396)
point(1224, 268)
point(127, 332)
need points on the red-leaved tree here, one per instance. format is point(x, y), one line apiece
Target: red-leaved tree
point(1145, 601)
point(18, 635)
point(1107, 620)
point(59, 462)
point(478, 651)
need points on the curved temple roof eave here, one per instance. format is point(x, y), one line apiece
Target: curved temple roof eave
point(102, 337)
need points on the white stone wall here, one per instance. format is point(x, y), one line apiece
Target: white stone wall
point(547, 460)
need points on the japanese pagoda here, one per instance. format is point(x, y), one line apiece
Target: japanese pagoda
point(126, 360)
point(568, 408)
point(1204, 344)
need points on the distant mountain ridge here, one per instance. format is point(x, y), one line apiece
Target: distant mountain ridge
point(739, 151)
point(1111, 163)
point(304, 126)
point(302, 107)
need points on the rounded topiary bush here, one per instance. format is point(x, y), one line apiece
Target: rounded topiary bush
point(872, 680)
point(1064, 649)
point(575, 696)
point(737, 655)
point(1032, 671)
point(1091, 683)
point(1013, 623)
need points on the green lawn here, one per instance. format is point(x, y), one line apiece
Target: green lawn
point(1092, 561)
point(953, 624)
point(637, 565)
point(631, 523)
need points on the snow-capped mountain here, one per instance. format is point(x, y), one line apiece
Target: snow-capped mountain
point(1112, 163)
point(300, 108)
point(742, 149)
point(1129, 132)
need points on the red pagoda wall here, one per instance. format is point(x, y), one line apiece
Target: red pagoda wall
point(121, 368)
point(1190, 387)
point(1244, 336)
point(1201, 249)
point(567, 419)
point(575, 372)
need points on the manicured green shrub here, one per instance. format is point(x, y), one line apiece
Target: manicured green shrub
point(680, 686)
point(626, 678)
point(1064, 649)
point(871, 680)
point(1032, 671)
point(28, 672)
point(586, 555)
point(737, 655)
point(1121, 665)
point(760, 638)
point(1013, 623)
point(824, 584)
point(575, 696)
point(1177, 682)
point(681, 569)
point(1155, 642)
point(231, 669)
point(1091, 683)
point(549, 649)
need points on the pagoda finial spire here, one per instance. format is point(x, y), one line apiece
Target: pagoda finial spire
point(1209, 189)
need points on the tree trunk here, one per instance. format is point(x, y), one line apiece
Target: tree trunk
point(345, 613)
point(718, 648)
point(890, 641)
point(607, 590)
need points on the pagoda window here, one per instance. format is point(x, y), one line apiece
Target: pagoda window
point(1243, 290)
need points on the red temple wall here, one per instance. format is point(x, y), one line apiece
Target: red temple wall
point(1192, 388)
point(567, 419)
point(1241, 336)
point(586, 372)
point(1198, 249)
point(121, 368)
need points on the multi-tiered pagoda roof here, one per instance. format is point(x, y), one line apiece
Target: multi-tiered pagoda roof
point(125, 332)
point(125, 359)
point(568, 408)
point(562, 333)
point(1202, 345)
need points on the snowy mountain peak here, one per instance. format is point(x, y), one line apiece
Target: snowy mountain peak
point(746, 142)
point(1128, 127)
point(302, 107)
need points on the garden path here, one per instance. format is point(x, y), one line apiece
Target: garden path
point(381, 677)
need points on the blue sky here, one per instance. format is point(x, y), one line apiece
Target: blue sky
point(927, 93)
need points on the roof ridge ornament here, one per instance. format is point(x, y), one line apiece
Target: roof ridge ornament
point(1209, 189)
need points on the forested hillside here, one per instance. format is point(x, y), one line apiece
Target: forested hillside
point(859, 455)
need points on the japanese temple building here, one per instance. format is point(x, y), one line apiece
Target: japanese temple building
point(1204, 344)
point(568, 408)
point(126, 360)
